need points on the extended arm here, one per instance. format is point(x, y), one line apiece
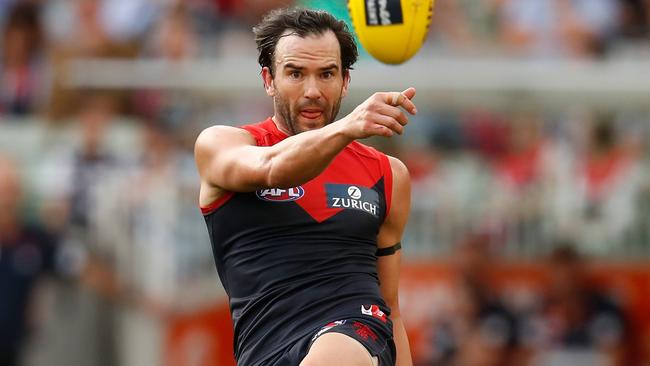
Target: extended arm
point(228, 159)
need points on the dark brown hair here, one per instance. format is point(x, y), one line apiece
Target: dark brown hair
point(302, 22)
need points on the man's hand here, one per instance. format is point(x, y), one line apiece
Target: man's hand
point(380, 115)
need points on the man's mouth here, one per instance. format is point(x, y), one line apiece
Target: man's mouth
point(311, 113)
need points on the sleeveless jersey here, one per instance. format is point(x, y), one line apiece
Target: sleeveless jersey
point(292, 260)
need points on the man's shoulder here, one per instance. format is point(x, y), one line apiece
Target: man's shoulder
point(262, 126)
point(265, 132)
point(211, 135)
point(392, 163)
point(365, 150)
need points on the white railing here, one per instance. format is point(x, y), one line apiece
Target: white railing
point(611, 83)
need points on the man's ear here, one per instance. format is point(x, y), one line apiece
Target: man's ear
point(267, 77)
point(346, 82)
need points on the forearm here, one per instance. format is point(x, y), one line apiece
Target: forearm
point(401, 343)
point(304, 156)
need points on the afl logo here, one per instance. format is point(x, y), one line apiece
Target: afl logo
point(354, 192)
point(280, 194)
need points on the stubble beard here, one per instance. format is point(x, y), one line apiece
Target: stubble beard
point(290, 120)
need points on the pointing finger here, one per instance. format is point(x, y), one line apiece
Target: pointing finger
point(402, 99)
point(406, 102)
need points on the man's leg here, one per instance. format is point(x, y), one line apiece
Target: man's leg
point(338, 349)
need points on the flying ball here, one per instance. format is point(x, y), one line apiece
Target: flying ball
point(392, 31)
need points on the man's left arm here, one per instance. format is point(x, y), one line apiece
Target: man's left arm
point(388, 262)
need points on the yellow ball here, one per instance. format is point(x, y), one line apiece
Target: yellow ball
point(392, 31)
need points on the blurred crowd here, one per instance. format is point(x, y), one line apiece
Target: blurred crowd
point(98, 187)
point(39, 38)
point(527, 178)
point(580, 29)
point(566, 318)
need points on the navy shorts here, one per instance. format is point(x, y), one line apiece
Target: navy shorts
point(377, 338)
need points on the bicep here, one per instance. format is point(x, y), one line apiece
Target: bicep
point(388, 266)
point(228, 158)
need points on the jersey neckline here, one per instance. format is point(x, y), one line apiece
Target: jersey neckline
point(275, 128)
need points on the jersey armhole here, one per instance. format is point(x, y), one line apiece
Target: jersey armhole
point(206, 210)
point(388, 181)
point(255, 132)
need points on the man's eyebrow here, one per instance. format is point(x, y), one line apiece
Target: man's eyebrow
point(292, 66)
point(330, 67)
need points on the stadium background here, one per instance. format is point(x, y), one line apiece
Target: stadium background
point(532, 138)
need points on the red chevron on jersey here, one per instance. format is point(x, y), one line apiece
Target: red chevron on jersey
point(358, 164)
point(278, 249)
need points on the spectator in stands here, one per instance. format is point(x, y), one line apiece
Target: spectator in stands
point(174, 40)
point(5, 9)
point(249, 11)
point(91, 162)
point(154, 219)
point(559, 28)
point(477, 329)
point(597, 189)
point(27, 252)
point(516, 194)
point(635, 19)
point(22, 73)
point(74, 179)
point(73, 171)
point(580, 324)
point(105, 23)
point(450, 181)
point(78, 31)
point(467, 26)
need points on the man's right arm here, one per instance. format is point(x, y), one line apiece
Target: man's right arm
point(228, 159)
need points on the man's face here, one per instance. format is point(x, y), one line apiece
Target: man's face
point(307, 83)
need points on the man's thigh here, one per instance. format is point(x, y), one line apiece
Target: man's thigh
point(338, 349)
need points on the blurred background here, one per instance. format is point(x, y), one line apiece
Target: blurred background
point(529, 239)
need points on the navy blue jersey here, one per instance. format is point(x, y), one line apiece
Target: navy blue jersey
point(292, 260)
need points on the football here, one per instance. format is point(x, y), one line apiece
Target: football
point(392, 31)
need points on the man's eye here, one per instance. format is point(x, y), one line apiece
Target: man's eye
point(328, 75)
point(295, 74)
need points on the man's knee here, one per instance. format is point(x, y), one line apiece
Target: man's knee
point(337, 349)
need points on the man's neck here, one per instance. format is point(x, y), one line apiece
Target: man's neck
point(281, 125)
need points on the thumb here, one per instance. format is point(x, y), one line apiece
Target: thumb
point(409, 93)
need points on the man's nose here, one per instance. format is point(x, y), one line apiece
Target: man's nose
point(312, 91)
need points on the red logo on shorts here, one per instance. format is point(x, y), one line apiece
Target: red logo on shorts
point(327, 327)
point(374, 311)
point(364, 331)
